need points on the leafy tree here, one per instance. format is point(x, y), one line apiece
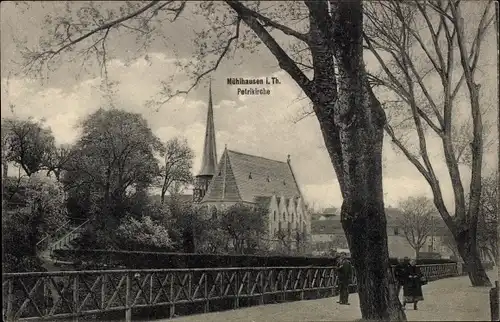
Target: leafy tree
point(245, 226)
point(108, 172)
point(284, 242)
point(291, 242)
point(143, 234)
point(416, 220)
point(38, 210)
point(59, 159)
point(113, 161)
point(27, 144)
point(413, 43)
point(214, 239)
point(332, 76)
point(189, 225)
point(178, 162)
point(301, 240)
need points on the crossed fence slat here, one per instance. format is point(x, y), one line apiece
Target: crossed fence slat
point(49, 295)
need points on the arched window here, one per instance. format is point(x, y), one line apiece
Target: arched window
point(274, 215)
point(284, 216)
point(293, 216)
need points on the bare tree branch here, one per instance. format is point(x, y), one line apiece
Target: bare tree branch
point(286, 30)
point(285, 62)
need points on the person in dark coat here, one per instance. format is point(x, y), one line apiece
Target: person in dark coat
point(412, 289)
point(399, 273)
point(344, 271)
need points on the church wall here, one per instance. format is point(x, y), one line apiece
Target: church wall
point(273, 217)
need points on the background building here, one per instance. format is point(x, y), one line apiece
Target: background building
point(327, 234)
point(251, 180)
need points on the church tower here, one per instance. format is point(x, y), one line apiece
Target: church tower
point(209, 161)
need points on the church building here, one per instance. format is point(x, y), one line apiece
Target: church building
point(252, 180)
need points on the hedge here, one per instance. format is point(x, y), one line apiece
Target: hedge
point(95, 259)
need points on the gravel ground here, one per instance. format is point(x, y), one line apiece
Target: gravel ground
point(451, 299)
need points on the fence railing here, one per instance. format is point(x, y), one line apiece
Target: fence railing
point(47, 295)
point(44, 243)
point(60, 240)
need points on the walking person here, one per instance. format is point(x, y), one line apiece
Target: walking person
point(344, 272)
point(412, 289)
point(399, 273)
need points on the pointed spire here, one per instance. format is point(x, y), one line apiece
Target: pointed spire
point(209, 161)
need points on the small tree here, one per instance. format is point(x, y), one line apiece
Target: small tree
point(144, 234)
point(487, 238)
point(176, 170)
point(190, 227)
point(284, 241)
point(245, 226)
point(416, 221)
point(28, 144)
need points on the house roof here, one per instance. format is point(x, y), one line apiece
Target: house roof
point(243, 177)
point(330, 211)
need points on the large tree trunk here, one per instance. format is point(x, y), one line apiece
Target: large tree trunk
point(360, 120)
point(363, 215)
point(352, 126)
point(467, 247)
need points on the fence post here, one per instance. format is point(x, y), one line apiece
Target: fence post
point(261, 299)
point(128, 309)
point(10, 298)
point(301, 285)
point(237, 290)
point(103, 291)
point(494, 303)
point(207, 300)
point(75, 298)
point(172, 300)
point(283, 292)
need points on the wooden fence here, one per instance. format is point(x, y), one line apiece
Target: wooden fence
point(49, 295)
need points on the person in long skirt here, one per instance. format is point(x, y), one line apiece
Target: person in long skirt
point(412, 289)
point(399, 274)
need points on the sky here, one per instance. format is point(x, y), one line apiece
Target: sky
point(263, 125)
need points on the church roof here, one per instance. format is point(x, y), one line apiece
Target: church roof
point(209, 160)
point(246, 178)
